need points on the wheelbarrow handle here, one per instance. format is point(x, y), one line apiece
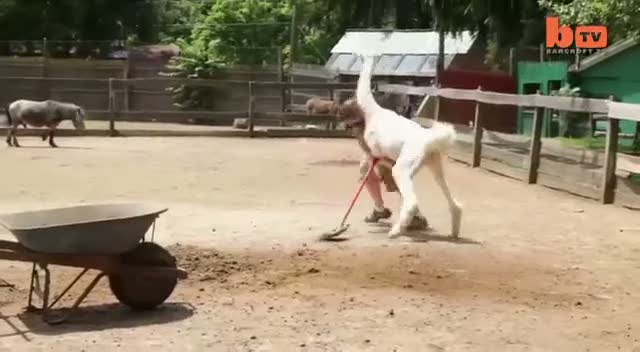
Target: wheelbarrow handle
point(364, 180)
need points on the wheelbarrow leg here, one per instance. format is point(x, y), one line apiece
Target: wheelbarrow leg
point(35, 287)
point(64, 292)
point(52, 320)
point(30, 306)
point(47, 315)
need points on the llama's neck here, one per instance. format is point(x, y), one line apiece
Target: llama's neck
point(363, 91)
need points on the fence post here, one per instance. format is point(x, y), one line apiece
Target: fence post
point(477, 135)
point(283, 96)
point(126, 73)
point(331, 125)
point(541, 51)
point(436, 113)
point(536, 145)
point(292, 46)
point(512, 62)
point(610, 158)
point(251, 108)
point(112, 109)
point(290, 90)
point(46, 91)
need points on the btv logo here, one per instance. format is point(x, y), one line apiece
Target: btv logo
point(586, 37)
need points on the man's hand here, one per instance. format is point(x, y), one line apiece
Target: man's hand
point(364, 167)
point(386, 162)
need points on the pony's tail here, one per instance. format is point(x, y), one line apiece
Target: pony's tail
point(9, 119)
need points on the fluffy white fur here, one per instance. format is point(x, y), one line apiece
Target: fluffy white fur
point(390, 136)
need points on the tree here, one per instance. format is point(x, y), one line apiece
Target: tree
point(231, 32)
point(622, 18)
point(243, 32)
point(179, 18)
point(82, 19)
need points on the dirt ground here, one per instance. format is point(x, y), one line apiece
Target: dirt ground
point(536, 269)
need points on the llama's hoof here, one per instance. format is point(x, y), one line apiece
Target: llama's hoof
point(395, 232)
point(418, 223)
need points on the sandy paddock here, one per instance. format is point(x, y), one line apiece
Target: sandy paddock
point(537, 270)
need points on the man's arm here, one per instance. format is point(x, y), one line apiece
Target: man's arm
point(365, 161)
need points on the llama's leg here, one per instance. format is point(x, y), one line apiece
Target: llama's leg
point(45, 134)
point(419, 222)
point(404, 171)
point(455, 208)
point(51, 142)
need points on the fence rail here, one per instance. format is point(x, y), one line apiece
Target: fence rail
point(531, 100)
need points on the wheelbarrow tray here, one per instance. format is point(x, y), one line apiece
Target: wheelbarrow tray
point(98, 229)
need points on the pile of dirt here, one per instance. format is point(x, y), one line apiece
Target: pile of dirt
point(9, 293)
point(209, 264)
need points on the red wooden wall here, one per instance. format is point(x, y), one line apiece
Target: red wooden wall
point(500, 118)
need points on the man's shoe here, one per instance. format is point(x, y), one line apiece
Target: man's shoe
point(377, 215)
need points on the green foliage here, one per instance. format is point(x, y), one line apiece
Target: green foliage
point(231, 32)
point(626, 145)
point(196, 60)
point(82, 19)
point(567, 91)
point(621, 17)
point(569, 122)
point(244, 32)
point(178, 19)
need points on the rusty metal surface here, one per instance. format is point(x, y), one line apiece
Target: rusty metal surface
point(137, 288)
point(16, 252)
point(100, 229)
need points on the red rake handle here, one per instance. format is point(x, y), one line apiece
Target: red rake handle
point(353, 201)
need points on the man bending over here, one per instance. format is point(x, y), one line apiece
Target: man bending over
point(354, 118)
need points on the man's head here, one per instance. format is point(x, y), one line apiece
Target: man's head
point(351, 114)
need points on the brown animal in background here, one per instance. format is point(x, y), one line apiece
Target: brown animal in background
point(321, 106)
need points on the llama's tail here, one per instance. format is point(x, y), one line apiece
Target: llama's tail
point(443, 136)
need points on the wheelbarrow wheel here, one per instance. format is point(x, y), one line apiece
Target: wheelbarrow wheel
point(139, 291)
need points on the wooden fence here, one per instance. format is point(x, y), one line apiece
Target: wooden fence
point(114, 114)
point(614, 110)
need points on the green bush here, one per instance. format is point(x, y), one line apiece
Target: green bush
point(233, 32)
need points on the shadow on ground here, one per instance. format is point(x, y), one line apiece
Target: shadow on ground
point(98, 318)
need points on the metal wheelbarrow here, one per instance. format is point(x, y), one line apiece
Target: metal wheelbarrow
point(108, 238)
